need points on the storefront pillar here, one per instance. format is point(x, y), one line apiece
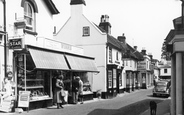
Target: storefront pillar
point(179, 101)
point(173, 86)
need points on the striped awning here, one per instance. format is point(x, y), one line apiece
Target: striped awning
point(48, 60)
point(81, 63)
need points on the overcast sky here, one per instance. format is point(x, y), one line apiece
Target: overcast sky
point(145, 23)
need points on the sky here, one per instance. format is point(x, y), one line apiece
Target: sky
point(145, 23)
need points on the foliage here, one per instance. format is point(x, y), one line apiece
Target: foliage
point(165, 54)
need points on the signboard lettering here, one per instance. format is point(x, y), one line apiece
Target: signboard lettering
point(15, 43)
point(24, 97)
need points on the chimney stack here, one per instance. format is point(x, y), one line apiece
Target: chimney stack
point(143, 51)
point(135, 47)
point(150, 55)
point(75, 2)
point(122, 38)
point(104, 23)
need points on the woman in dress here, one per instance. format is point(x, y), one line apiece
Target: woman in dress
point(59, 90)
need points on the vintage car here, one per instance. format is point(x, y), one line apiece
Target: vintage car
point(162, 88)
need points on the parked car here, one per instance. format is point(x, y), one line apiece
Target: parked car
point(162, 88)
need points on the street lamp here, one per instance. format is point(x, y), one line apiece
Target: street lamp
point(5, 35)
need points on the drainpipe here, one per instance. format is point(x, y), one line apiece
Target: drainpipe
point(5, 35)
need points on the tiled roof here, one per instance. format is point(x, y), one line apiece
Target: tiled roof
point(122, 46)
point(113, 41)
point(134, 53)
point(51, 6)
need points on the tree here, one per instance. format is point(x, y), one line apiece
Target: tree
point(165, 55)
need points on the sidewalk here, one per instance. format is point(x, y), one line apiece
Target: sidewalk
point(163, 108)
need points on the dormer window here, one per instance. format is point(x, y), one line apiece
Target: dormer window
point(86, 31)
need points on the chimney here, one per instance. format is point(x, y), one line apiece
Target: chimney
point(135, 47)
point(143, 51)
point(77, 7)
point(104, 23)
point(122, 38)
point(150, 55)
point(75, 2)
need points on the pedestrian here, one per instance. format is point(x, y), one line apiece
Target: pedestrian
point(7, 90)
point(75, 89)
point(59, 90)
point(53, 88)
point(80, 92)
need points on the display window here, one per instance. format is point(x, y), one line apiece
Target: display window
point(33, 80)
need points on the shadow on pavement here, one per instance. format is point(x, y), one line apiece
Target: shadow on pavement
point(132, 109)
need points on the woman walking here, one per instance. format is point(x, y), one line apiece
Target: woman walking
point(59, 90)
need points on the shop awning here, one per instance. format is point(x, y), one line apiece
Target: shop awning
point(81, 64)
point(48, 60)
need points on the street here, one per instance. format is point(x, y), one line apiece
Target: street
point(132, 103)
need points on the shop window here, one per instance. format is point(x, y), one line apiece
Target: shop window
point(110, 78)
point(165, 70)
point(35, 81)
point(110, 55)
point(114, 78)
point(86, 31)
point(120, 80)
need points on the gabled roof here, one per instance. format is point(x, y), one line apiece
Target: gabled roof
point(51, 6)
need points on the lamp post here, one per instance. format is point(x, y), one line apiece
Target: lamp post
point(5, 35)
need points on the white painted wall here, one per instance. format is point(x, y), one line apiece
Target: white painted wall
point(93, 45)
point(165, 74)
point(14, 11)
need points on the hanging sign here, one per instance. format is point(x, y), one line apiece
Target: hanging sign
point(15, 43)
point(24, 97)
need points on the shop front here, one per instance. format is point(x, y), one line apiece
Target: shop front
point(35, 68)
point(129, 80)
point(113, 80)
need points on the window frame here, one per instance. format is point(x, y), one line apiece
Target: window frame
point(29, 15)
point(165, 70)
point(86, 31)
point(110, 54)
point(110, 75)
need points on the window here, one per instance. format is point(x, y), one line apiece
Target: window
point(86, 31)
point(120, 80)
point(130, 63)
point(29, 16)
point(1, 38)
point(110, 78)
point(110, 55)
point(165, 70)
point(117, 56)
point(114, 78)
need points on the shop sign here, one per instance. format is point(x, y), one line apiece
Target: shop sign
point(141, 66)
point(15, 43)
point(24, 97)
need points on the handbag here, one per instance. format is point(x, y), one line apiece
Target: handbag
point(63, 94)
